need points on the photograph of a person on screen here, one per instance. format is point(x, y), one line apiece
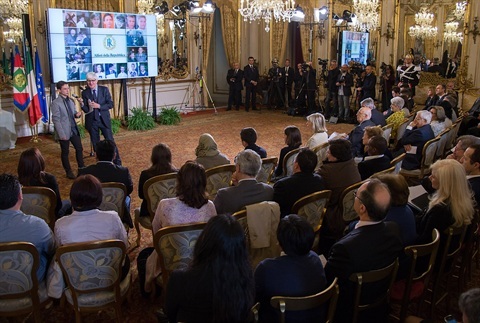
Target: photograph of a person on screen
point(131, 56)
point(141, 55)
point(95, 20)
point(71, 36)
point(143, 70)
point(111, 73)
point(74, 74)
point(120, 22)
point(132, 71)
point(108, 20)
point(83, 39)
point(99, 71)
point(131, 22)
point(84, 70)
point(70, 19)
point(142, 24)
point(122, 73)
point(81, 23)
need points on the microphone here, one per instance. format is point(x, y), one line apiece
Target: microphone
point(75, 96)
point(83, 88)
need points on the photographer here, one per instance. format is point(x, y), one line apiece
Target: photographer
point(332, 89)
point(275, 89)
point(388, 81)
point(344, 84)
point(300, 91)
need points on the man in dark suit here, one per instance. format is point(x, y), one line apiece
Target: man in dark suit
point(302, 183)
point(96, 102)
point(418, 132)
point(249, 138)
point(106, 171)
point(376, 161)
point(441, 92)
point(251, 76)
point(363, 117)
point(369, 82)
point(234, 79)
point(436, 68)
point(344, 83)
point(332, 89)
point(377, 117)
point(288, 74)
point(372, 245)
point(246, 190)
point(471, 163)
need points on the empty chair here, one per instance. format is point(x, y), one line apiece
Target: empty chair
point(267, 169)
point(321, 152)
point(41, 202)
point(312, 208)
point(217, 178)
point(444, 136)
point(401, 131)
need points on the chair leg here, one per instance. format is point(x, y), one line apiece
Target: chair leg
point(136, 224)
point(78, 316)
point(36, 316)
point(118, 311)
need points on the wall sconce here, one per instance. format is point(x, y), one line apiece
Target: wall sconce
point(390, 33)
point(475, 31)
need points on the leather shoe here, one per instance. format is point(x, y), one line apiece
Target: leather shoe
point(70, 175)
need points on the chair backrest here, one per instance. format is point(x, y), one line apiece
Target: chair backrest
point(387, 132)
point(450, 255)
point(217, 178)
point(387, 274)
point(158, 188)
point(453, 134)
point(347, 199)
point(321, 152)
point(288, 161)
point(400, 131)
point(174, 246)
point(312, 208)
point(19, 262)
point(444, 136)
point(428, 155)
point(397, 162)
point(41, 202)
point(330, 295)
point(266, 171)
point(92, 267)
point(241, 217)
point(114, 195)
point(390, 170)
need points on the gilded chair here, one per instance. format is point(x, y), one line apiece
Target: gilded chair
point(41, 202)
point(114, 195)
point(397, 162)
point(217, 178)
point(444, 136)
point(92, 271)
point(347, 199)
point(390, 170)
point(241, 217)
point(400, 131)
point(321, 152)
point(450, 143)
point(20, 291)
point(387, 132)
point(155, 189)
point(428, 157)
point(267, 169)
point(386, 275)
point(329, 295)
point(412, 289)
point(312, 208)
point(288, 161)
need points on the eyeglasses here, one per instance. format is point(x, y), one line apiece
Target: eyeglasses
point(91, 80)
point(356, 196)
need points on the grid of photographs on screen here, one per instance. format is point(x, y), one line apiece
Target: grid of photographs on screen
point(113, 45)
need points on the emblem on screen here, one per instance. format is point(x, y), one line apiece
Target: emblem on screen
point(109, 42)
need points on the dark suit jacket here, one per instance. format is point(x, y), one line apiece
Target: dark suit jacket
point(367, 168)
point(378, 118)
point(104, 99)
point(233, 199)
point(436, 69)
point(366, 248)
point(347, 87)
point(288, 80)
point(289, 189)
point(332, 78)
point(368, 87)
point(416, 137)
point(235, 81)
point(259, 150)
point(475, 186)
point(109, 172)
point(250, 74)
point(356, 135)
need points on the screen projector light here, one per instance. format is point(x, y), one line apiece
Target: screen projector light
point(208, 7)
point(320, 14)
point(298, 15)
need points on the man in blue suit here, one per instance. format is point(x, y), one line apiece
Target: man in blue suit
point(250, 73)
point(96, 102)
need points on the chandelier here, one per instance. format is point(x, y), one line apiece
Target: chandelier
point(450, 35)
point(145, 7)
point(267, 9)
point(11, 12)
point(423, 28)
point(366, 12)
point(460, 8)
point(15, 31)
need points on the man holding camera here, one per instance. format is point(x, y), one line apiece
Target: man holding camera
point(275, 90)
point(344, 84)
point(332, 89)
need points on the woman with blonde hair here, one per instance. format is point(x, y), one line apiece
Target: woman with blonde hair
point(319, 128)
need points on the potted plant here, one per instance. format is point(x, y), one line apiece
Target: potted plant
point(140, 119)
point(169, 116)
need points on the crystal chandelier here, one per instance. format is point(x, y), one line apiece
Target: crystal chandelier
point(450, 35)
point(423, 28)
point(252, 10)
point(11, 12)
point(460, 8)
point(15, 31)
point(366, 12)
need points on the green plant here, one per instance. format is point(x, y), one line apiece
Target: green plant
point(169, 116)
point(140, 120)
point(115, 123)
point(81, 130)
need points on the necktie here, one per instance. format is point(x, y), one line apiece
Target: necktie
point(235, 72)
point(251, 66)
point(96, 112)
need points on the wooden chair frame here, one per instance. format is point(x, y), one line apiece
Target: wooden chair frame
point(348, 217)
point(301, 202)
point(318, 150)
point(121, 209)
point(50, 195)
point(397, 162)
point(215, 170)
point(270, 160)
point(424, 165)
point(287, 303)
point(390, 170)
point(290, 154)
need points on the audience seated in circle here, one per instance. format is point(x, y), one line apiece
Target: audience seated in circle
point(18, 226)
point(299, 272)
point(293, 140)
point(319, 128)
point(375, 161)
point(249, 139)
point(208, 154)
point(219, 285)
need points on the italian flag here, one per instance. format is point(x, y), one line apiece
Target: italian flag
point(21, 96)
point(34, 112)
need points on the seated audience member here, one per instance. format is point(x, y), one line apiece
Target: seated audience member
point(218, 286)
point(249, 139)
point(301, 183)
point(338, 172)
point(395, 93)
point(471, 163)
point(463, 142)
point(441, 91)
point(373, 244)
point(399, 211)
point(18, 226)
point(398, 115)
point(377, 117)
point(376, 161)
point(31, 172)
point(208, 154)
point(439, 121)
point(293, 140)
point(297, 273)
point(470, 119)
point(372, 132)
point(418, 132)
point(190, 206)
point(247, 190)
point(161, 160)
point(431, 98)
point(319, 128)
point(406, 95)
point(355, 137)
point(106, 171)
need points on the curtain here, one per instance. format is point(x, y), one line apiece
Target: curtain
point(305, 36)
point(100, 5)
point(230, 32)
point(279, 40)
point(206, 30)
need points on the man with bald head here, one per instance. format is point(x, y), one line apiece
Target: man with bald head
point(372, 245)
point(234, 79)
point(363, 117)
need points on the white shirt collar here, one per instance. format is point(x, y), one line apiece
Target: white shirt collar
point(365, 223)
point(373, 157)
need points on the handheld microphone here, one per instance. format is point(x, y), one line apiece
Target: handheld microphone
point(75, 96)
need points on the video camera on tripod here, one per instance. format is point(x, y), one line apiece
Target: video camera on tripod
point(357, 68)
point(323, 63)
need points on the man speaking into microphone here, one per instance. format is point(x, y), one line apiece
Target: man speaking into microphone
point(63, 117)
point(96, 102)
